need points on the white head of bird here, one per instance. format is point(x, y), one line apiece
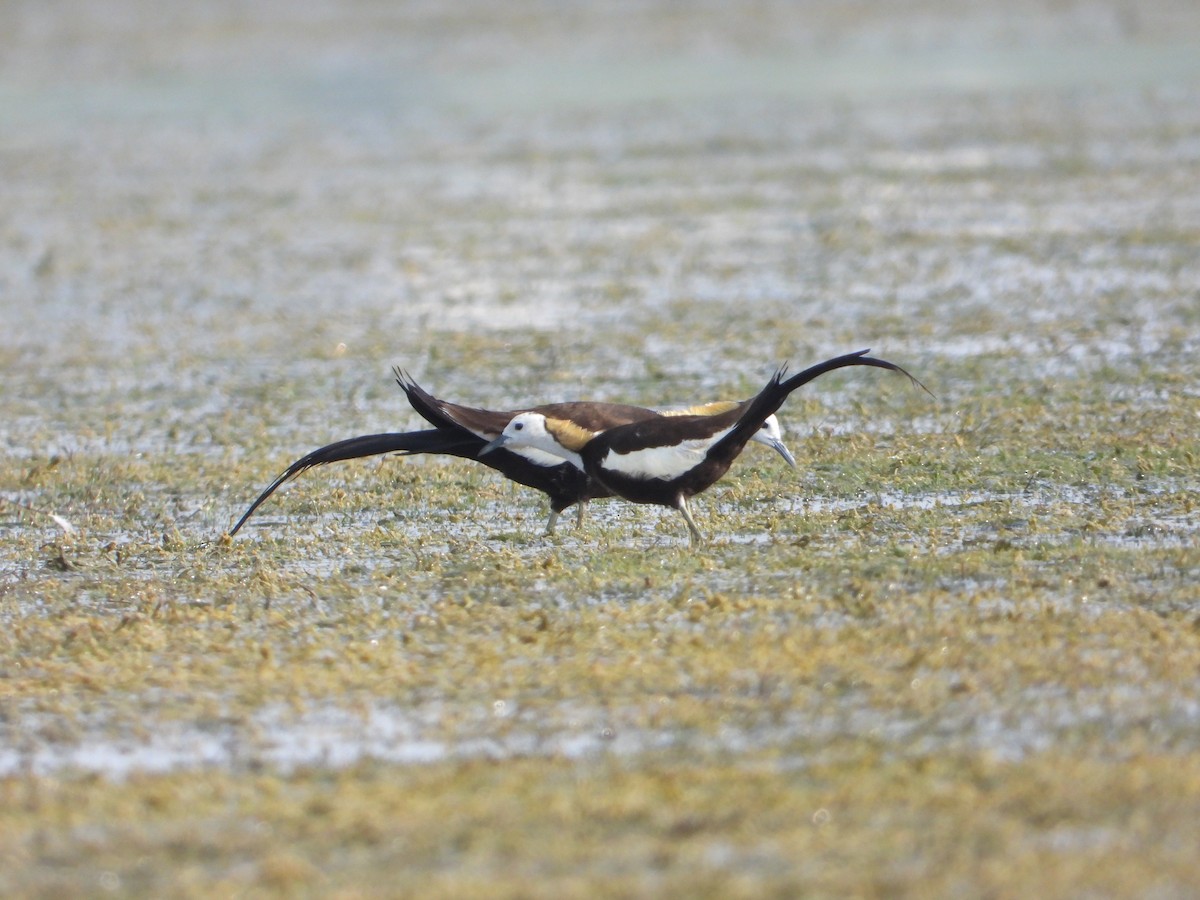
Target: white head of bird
point(771, 434)
point(531, 430)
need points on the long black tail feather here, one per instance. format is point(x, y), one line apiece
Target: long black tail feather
point(781, 385)
point(431, 440)
point(858, 358)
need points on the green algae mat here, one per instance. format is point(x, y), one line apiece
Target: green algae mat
point(956, 652)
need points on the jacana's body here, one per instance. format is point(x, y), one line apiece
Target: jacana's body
point(528, 464)
point(640, 465)
point(668, 460)
point(564, 483)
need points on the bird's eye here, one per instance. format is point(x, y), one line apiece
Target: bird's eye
point(518, 426)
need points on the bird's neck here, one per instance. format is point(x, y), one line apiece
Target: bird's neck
point(715, 408)
point(567, 435)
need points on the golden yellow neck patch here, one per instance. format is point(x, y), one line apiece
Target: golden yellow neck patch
point(567, 433)
point(704, 409)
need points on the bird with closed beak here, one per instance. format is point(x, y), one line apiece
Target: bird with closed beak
point(667, 460)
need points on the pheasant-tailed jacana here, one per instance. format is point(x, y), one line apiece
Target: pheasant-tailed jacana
point(666, 461)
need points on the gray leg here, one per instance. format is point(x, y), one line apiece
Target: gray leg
point(579, 513)
point(697, 537)
point(550, 523)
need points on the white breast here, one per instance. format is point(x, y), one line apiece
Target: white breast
point(661, 462)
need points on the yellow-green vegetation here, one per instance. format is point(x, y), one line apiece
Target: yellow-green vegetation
point(963, 659)
point(955, 653)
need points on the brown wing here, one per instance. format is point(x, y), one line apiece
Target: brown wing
point(488, 424)
point(594, 416)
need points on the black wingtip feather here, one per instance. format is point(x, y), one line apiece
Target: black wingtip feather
point(404, 379)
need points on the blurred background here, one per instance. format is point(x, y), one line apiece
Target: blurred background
point(207, 207)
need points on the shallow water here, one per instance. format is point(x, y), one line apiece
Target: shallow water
point(336, 736)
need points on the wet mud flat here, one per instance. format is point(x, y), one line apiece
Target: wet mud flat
point(955, 651)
